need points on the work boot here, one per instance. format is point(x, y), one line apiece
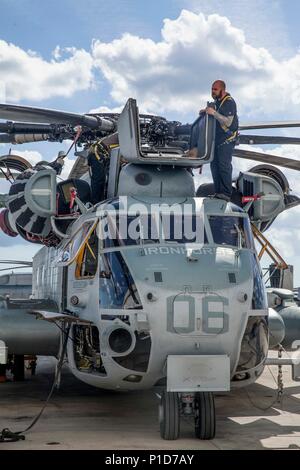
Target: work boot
point(192, 153)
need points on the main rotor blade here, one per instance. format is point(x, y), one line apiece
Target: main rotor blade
point(26, 128)
point(264, 139)
point(13, 261)
point(40, 115)
point(22, 138)
point(269, 125)
point(267, 158)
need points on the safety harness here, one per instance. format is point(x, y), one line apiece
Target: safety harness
point(232, 135)
point(100, 150)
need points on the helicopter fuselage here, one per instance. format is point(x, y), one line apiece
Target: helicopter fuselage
point(158, 294)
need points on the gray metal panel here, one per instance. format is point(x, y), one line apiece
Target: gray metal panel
point(198, 373)
point(129, 133)
point(40, 193)
point(141, 180)
point(114, 169)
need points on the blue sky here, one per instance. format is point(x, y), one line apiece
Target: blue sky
point(31, 24)
point(41, 26)
point(78, 56)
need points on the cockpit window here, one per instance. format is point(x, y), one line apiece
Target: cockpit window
point(183, 229)
point(87, 258)
point(130, 230)
point(72, 249)
point(148, 229)
point(233, 231)
point(117, 287)
point(81, 235)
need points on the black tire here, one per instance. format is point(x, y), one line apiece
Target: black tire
point(169, 416)
point(205, 416)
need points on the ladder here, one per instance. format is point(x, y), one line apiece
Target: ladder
point(267, 247)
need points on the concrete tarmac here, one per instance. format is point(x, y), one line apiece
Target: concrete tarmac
point(82, 417)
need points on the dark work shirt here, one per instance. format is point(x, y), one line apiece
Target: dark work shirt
point(228, 109)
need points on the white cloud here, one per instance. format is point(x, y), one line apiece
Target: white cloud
point(106, 109)
point(2, 92)
point(170, 75)
point(253, 17)
point(284, 234)
point(26, 75)
point(175, 73)
point(32, 156)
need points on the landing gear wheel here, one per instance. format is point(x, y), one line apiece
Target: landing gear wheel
point(205, 415)
point(169, 416)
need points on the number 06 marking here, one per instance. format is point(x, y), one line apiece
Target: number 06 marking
point(182, 317)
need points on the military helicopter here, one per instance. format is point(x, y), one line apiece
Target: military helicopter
point(142, 302)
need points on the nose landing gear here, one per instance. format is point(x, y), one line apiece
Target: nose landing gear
point(205, 415)
point(169, 416)
point(172, 406)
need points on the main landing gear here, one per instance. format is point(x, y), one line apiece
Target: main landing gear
point(200, 405)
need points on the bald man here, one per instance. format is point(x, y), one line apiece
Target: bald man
point(225, 113)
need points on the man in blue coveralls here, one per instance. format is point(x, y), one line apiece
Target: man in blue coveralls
point(225, 112)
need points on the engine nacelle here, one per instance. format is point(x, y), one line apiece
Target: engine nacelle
point(281, 302)
point(271, 185)
point(34, 199)
point(269, 189)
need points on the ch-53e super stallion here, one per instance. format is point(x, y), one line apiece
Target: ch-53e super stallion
point(155, 286)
